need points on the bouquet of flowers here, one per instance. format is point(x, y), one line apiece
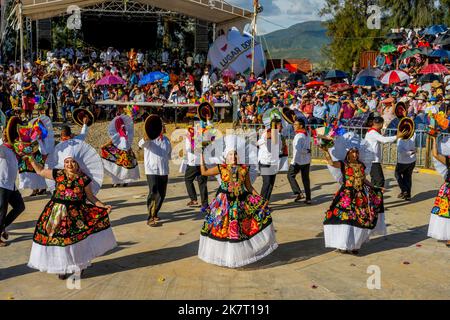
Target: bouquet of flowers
point(437, 122)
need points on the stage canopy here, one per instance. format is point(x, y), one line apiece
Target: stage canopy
point(216, 11)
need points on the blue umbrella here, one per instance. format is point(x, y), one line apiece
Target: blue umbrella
point(367, 81)
point(336, 74)
point(440, 53)
point(152, 77)
point(433, 30)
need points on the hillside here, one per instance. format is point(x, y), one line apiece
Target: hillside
point(302, 40)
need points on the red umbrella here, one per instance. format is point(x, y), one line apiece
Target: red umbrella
point(313, 84)
point(340, 87)
point(434, 68)
point(394, 76)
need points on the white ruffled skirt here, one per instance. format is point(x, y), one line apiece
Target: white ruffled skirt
point(380, 229)
point(439, 227)
point(120, 174)
point(345, 237)
point(237, 254)
point(31, 180)
point(73, 258)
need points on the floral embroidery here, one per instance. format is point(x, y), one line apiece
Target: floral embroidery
point(78, 219)
point(235, 214)
point(122, 158)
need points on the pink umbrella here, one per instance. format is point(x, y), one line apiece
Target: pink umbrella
point(434, 68)
point(394, 76)
point(109, 80)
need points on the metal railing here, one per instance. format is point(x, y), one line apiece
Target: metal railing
point(389, 151)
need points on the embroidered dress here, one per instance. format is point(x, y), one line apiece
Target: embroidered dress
point(439, 227)
point(238, 227)
point(69, 232)
point(355, 210)
point(121, 165)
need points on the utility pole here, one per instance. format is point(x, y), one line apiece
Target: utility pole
point(21, 36)
point(256, 9)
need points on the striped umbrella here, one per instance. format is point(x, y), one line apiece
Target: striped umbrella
point(394, 76)
point(434, 68)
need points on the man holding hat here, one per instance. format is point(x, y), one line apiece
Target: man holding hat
point(301, 160)
point(406, 161)
point(375, 141)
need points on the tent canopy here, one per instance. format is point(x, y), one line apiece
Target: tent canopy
point(223, 14)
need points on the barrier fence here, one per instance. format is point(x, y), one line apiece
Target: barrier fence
point(389, 153)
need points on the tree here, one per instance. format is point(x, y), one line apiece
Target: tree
point(349, 32)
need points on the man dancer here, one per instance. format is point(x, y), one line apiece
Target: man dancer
point(193, 172)
point(301, 160)
point(375, 139)
point(406, 161)
point(8, 192)
point(66, 132)
point(157, 154)
point(269, 155)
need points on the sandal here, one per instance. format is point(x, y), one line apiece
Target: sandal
point(192, 203)
point(3, 243)
point(299, 197)
point(448, 244)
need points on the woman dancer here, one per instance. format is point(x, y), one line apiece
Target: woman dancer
point(71, 232)
point(439, 227)
point(118, 158)
point(355, 209)
point(238, 227)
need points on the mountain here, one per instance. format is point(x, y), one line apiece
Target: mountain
point(302, 40)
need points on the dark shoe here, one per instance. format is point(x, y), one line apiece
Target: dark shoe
point(125, 185)
point(299, 197)
point(63, 276)
point(34, 193)
point(407, 197)
point(401, 195)
point(308, 202)
point(341, 251)
point(5, 235)
point(447, 244)
point(42, 192)
point(355, 252)
point(193, 203)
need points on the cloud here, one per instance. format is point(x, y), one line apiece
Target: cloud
point(283, 13)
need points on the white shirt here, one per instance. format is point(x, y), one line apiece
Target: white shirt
point(192, 158)
point(374, 139)
point(83, 133)
point(406, 150)
point(302, 149)
point(264, 155)
point(8, 168)
point(157, 154)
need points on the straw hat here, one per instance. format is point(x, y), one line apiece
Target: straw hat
point(436, 84)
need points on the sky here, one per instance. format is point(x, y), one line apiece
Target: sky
point(282, 13)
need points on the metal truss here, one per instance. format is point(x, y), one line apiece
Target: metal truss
point(128, 8)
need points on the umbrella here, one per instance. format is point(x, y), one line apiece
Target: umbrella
point(278, 74)
point(434, 68)
point(336, 74)
point(370, 72)
point(425, 50)
point(294, 77)
point(440, 53)
point(388, 48)
point(410, 53)
point(433, 30)
point(367, 81)
point(110, 80)
point(340, 87)
point(394, 36)
point(394, 76)
point(429, 77)
point(228, 73)
point(152, 77)
point(443, 39)
point(313, 84)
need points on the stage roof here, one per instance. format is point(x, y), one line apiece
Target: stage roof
point(222, 13)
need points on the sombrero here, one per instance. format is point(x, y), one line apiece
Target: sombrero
point(12, 134)
point(153, 126)
point(333, 98)
point(400, 110)
point(288, 115)
point(406, 124)
point(79, 114)
point(205, 109)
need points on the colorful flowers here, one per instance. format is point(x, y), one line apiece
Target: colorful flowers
point(345, 201)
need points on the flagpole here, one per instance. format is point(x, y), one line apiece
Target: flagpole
point(21, 36)
point(255, 13)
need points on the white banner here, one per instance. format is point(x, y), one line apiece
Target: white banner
point(233, 51)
